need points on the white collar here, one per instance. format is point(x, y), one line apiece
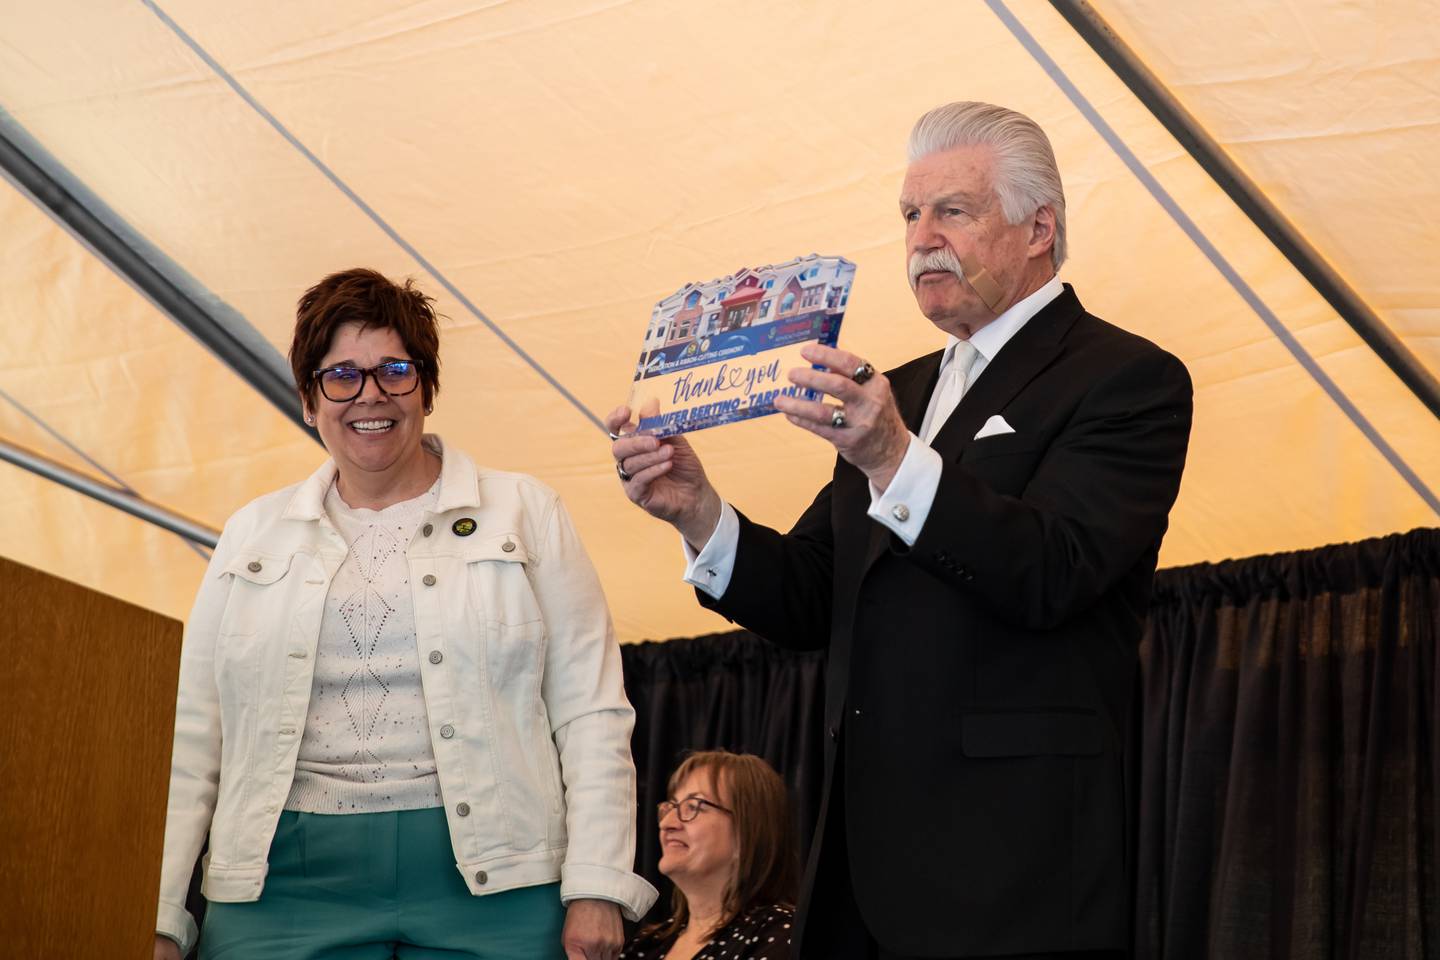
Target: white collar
point(989, 339)
point(459, 484)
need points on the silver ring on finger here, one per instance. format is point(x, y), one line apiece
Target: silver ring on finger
point(620, 469)
point(837, 418)
point(863, 373)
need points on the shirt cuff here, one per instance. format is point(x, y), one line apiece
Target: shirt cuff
point(710, 569)
point(905, 504)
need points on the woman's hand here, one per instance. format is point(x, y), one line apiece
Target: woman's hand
point(166, 949)
point(593, 931)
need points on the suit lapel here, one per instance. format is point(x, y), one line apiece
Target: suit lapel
point(1027, 353)
point(1032, 349)
point(912, 394)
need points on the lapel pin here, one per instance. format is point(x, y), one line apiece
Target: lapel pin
point(463, 527)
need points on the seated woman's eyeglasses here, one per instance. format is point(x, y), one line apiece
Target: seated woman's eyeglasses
point(687, 809)
point(395, 377)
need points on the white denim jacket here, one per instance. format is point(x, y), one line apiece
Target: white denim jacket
point(527, 709)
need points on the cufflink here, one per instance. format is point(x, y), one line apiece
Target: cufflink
point(900, 512)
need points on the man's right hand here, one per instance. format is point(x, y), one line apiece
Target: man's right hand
point(166, 949)
point(666, 479)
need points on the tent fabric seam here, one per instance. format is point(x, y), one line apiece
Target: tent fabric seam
point(122, 500)
point(1232, 179)
point(1216, 258)
point(99, 467)
point(149, 271)
point(369, 211)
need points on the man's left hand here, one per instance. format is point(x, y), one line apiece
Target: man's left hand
point(874, 438)
point(593, 930)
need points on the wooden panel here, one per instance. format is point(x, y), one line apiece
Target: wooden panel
point(86, 721)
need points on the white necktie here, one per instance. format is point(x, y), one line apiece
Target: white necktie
point(950, 388)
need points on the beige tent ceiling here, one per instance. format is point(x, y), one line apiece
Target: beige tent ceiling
point(564, 164)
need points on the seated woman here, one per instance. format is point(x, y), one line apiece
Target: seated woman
point(400, 716)
point(727, 844)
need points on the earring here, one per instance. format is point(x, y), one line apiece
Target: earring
point(309, 420)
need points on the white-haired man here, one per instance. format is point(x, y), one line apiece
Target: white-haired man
point(978, 568)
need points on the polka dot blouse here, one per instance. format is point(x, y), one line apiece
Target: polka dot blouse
point(760, 933)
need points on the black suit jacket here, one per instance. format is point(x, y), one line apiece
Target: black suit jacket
point(980, 680)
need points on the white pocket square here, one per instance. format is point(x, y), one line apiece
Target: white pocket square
point(994, 427)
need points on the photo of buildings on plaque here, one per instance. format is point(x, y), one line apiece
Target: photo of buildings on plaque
point(718, 352)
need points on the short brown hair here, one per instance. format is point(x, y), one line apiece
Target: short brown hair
point(768, 867)
point(370, 299)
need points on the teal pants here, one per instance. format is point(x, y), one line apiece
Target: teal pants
point(372, 886)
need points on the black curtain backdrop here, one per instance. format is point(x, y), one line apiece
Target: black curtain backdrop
point(726, 690)
point(1283, 762)
point(1288, 756)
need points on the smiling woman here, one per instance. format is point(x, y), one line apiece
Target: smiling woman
point(362, 346)
point(727, 844)
point(381, 682)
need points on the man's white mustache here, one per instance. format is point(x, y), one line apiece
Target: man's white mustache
point(943, 259)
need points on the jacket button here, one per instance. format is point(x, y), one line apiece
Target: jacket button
point(428, 579)
point(463, 810)
point(481, 876)
point(426, 530)
point(253, 566)
point(447, 731)
point(508, 546)
point(436, 656)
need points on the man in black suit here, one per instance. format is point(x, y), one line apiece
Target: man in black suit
point(979, 572)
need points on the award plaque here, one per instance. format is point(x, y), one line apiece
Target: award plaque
point(718, 352)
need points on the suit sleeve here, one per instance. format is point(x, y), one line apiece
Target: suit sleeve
point(782, 584)
point(1097, 502)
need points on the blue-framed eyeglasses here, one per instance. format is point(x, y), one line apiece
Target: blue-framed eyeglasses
point(394, 377)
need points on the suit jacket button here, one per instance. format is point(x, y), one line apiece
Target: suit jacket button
point(481, 876)
point(253, 566)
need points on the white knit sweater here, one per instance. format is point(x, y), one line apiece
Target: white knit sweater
point(366, 746)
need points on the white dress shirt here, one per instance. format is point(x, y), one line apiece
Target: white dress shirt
point(905, 504)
